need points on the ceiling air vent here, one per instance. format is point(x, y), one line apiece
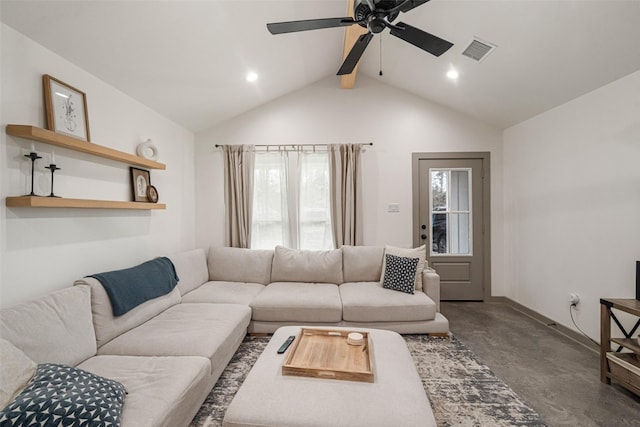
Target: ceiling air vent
point(478, 49)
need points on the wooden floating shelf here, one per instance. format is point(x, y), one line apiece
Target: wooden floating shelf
point(61, 202)
point(59, 140)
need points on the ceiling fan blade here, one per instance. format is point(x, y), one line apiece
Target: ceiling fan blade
point(356, 52)
point(407, 5)
point(425, 41)
point(309, 24)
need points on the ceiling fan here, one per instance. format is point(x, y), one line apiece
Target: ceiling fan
point(375, 15)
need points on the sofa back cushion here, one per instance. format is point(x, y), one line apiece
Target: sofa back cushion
point(16, 370)
point(362, 263)
point(107, 326)
point(56, 328)
point(191, 268)
point(291, 265)
point(240, 265)
point(129, 287)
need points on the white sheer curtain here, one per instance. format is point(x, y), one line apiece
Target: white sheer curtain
point(270, 223)
point(291, 205)
point(314, 202)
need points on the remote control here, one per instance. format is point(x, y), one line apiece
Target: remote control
point(286, 344)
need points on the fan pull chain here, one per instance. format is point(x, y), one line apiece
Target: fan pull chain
point(380, 54)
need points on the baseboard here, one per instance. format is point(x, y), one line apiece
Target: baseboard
point(550, 323)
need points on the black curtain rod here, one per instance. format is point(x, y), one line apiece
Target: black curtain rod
point(292, 145)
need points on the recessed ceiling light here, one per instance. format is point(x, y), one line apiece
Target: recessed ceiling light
point(453, 74)
point(252, 77)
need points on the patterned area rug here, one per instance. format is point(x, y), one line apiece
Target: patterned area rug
point(463, 391)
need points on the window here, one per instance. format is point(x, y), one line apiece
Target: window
point(291, 205)
point(451, 212)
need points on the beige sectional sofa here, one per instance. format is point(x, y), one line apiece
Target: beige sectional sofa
point(169, 351)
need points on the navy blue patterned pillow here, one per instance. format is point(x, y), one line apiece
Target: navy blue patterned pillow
point(60, 395)
point(400, 273)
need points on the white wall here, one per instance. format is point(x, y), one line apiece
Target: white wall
point(572, 204)
point(398, 124)
point(46, 249)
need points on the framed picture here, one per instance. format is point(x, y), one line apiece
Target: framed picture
point(66, 108)
point(140, 181)
point(152, 194)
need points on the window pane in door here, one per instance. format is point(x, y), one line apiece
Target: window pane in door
point(460, 234)
point(439, 233)
point(459, 190)
point(439, 186)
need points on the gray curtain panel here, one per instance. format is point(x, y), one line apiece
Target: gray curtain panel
point(346, 193)
point(238, 193)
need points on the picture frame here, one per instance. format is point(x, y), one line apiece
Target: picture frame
point(66, 109)
point(140, 182)
point(152, 194)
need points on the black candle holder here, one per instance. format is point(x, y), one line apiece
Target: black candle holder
point(52, 168)
point(33, 156)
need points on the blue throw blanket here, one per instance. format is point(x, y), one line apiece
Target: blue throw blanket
point(131, 287)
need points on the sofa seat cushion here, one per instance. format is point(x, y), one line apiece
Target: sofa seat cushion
point(206, 330)
point(224, 293)
point(370, 302)
point(298, 302)
point(158, 388)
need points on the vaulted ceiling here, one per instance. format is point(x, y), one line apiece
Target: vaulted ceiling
point(188, 59)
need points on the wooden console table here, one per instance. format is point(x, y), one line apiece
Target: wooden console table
point(624, 368)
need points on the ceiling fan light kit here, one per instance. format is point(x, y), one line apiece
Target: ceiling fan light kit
point(375, 16)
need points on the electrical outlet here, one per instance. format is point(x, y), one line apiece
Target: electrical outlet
point(574, 299)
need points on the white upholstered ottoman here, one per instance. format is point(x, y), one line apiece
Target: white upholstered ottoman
point(395, 398)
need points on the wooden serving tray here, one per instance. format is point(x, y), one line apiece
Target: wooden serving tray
point(324, 353)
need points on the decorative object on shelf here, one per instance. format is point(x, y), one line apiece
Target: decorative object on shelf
point(140, 181)
point(147, 150)
point(52, 167)
point(66, 108)
point(33, 156)
point(152, 194)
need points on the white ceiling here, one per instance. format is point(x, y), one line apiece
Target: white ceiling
point(188, 59)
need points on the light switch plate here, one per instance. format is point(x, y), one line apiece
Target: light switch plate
point(393, 207)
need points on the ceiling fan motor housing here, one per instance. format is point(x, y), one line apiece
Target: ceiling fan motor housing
point(374, 20)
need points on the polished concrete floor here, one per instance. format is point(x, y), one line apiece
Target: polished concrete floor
point(555, 375)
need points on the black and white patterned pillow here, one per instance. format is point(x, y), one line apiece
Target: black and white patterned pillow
point(400, 273)
point(60, 395)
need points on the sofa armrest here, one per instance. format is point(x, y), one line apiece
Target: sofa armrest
point(431, 285)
